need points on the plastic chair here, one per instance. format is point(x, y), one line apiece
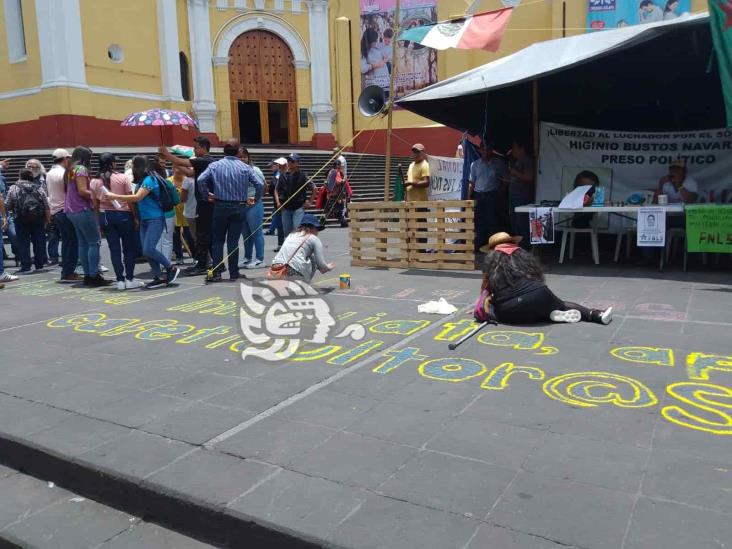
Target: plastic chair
point(571, 232)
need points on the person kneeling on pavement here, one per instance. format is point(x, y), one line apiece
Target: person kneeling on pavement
point(301, 253)
point(514, 290)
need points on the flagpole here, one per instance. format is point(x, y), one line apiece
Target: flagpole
point(394, 65)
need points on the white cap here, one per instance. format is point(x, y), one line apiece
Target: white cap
point(60, 154)
point(282, 161)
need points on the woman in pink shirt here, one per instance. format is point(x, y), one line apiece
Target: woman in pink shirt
point(117, 221)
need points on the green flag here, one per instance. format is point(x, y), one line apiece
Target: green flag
point(399, 187)
point(720, 18)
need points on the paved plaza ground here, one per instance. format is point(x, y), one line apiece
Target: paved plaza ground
point(526, 437)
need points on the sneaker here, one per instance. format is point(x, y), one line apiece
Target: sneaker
point(254, 264)
point(73, 277)
point(23, 272)
point(96, 281)
point(155, 282)
point(606, 317)
point(570, 316)
point(195, 270)
point(134, 284)
point(244, 263)
point(7, 277)
point(277, 249)
point(173, 273)
point(103, 269)
point(121, 285)
point(215, 278)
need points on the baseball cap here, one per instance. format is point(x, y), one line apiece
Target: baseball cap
point(311, 220)
point(418, 147)
point(294, 157)
point(281, 161)
point(205, 142)
point(60, 154)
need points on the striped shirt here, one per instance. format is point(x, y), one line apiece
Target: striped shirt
point(229, 180)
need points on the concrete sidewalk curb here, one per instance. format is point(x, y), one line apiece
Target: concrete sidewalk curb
point(189, 516)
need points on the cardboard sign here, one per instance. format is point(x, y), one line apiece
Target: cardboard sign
point(709, 228)
point(651, 227)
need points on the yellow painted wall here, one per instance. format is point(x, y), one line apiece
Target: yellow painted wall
point(26, 74)
point(133, 25)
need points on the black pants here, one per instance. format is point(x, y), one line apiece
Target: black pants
point(485, 217)
point(178, 241)
point(204, 229)
point(535, 306)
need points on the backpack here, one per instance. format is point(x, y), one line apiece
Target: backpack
point(31, 206)
point(168, 198)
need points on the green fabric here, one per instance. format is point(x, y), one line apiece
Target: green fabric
point(709, 228)
point(416, 34)
point(720, 19)
point(399, 187)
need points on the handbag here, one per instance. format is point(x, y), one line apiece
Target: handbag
point(278, 271)
point(483, 310)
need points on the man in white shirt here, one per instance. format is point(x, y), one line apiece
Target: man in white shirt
point(57, 199)
point(678, 185)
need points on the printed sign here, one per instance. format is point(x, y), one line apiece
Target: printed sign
point(541, 226)
point(637, 161)
point(612, 14)
point(651, 227)
point(416, 64)
point(709, 228)
point(446, 178)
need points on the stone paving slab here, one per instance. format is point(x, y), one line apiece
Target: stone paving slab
point(539, 436)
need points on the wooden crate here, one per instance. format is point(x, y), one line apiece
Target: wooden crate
point(420, 235)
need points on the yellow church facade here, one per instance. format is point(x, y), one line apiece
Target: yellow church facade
point(269, 72)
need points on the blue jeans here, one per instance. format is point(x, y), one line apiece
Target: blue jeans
point(150, 232)
point(228, 218)
point(119, 228)
point(31, 233)
point(291, 219)
point(69, 243)
point(53, 242)
point(2, 248)
point(252, 231)
point(87, 234)
point(12, 236)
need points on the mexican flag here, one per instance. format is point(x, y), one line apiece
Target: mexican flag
point(483, 31)
point(720, 18)
point(399, 187)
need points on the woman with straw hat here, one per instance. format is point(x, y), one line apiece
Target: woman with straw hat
point(514, 282)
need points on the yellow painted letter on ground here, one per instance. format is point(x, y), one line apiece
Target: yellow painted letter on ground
point(702, 397)
point(497, 380)
point(699, 364)
point(589, 389)
point(645, 355)
point(451, 369)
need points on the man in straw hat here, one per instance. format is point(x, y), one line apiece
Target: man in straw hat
point(514, 282)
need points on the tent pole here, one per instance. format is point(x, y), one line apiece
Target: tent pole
point(394, 64)
point(535, 126)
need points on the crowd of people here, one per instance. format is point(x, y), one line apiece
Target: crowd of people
point(157, 208)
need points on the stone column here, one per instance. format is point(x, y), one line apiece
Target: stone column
point(322, 109)
point(204, 105)
point(60, 43)
point(169, 50)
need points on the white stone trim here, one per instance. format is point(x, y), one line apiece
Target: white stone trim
point(204, 103)
point(60, 43)
point(20, 93)
point(14, 31)
point(93, 89)
point(169, 49)
point(244, 23)
point(322, 110)
point(222, 5)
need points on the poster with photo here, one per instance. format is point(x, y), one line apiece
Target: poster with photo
point(651, 227)
point(416, 65)
point(613, 14)
point(541, 226)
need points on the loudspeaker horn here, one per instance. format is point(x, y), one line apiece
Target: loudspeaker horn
point(372, 101)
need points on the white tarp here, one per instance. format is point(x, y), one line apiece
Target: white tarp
point(548, 57)
point(446, 178)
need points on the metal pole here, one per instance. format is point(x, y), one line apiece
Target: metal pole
point(390, 106)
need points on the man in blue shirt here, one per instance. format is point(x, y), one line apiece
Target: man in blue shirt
point(486, 175)
point(228, 181)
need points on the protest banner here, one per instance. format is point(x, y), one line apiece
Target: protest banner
point(611, 14)
point(651, 227)
point(416, 64)
point(709, 228)
point(636, 161)
point(446, 179)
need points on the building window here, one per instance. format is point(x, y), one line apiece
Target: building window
point(185, 81)
point(15, 31)
point(115, 53)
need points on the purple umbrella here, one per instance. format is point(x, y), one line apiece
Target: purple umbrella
point(160, 118)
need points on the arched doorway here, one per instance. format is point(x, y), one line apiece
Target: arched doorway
point(262, 84)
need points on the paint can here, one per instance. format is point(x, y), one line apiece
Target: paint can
point(345, 280)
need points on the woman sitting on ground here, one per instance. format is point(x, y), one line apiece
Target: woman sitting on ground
point(514, 280)
point(302, 251)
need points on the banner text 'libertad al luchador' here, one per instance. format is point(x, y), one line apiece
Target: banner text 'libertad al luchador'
point(416, 65)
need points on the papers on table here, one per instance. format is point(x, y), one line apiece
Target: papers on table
point(575, 199)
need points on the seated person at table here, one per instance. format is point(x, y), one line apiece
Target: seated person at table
point(677, 185)
point(586, 177)
point(513, 283)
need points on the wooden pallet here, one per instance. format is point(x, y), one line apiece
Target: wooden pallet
point(420, 235)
